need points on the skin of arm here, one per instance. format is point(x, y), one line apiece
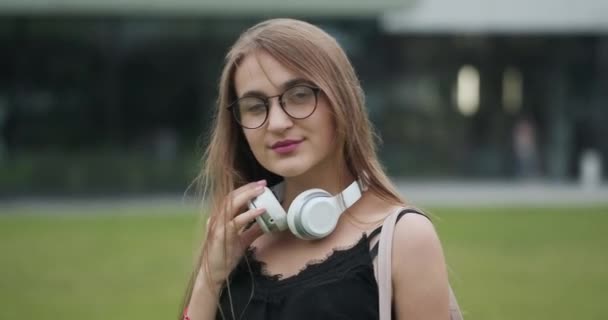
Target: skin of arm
point(420, 281)
point(203, 303)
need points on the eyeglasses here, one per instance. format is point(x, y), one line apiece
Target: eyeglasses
point(298, 102)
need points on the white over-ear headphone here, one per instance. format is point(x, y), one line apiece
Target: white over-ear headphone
point(313, 214)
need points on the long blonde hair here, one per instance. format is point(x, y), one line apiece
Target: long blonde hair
point(228, 163)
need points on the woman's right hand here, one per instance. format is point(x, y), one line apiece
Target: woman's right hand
point(228, 240)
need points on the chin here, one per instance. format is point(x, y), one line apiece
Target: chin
point(289, 168)
point(288, 172)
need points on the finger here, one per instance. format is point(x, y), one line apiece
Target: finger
point(249, 235)
point(240, 200)
point(244, 188)
point(240, 221)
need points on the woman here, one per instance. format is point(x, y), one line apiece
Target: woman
point(291, 110)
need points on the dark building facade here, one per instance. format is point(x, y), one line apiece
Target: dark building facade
point(123, 103)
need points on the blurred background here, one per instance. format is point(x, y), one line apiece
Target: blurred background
point(492, 115)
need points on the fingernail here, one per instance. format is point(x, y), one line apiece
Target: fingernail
point(262, 182)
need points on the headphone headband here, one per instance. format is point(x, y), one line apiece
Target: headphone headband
point(351, 194)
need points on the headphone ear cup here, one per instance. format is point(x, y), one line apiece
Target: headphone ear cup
point(275, 218)
point(312, 215)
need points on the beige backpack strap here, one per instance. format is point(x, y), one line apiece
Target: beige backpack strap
point(455, 313)
point(384, 262)
point(383, 270)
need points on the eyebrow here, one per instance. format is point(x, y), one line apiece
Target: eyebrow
point(285, 86)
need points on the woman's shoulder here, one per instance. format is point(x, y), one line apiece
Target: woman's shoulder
point(414, 229)
point(416, 245)
point(418, 268)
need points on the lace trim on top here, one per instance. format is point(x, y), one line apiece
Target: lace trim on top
point(336, 264)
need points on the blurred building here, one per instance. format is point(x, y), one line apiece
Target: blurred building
point(116, 96)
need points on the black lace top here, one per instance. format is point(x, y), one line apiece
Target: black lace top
point(342, 286)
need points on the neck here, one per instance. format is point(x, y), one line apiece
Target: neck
point(331, 178)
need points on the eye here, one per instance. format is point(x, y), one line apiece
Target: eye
point(299, 94)
point(252, 106)
point(256, 108)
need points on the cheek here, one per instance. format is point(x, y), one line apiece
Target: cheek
point(327, 124)
point(255, 141)
point(323, 134)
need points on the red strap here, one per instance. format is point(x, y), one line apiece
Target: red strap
point(185, 317)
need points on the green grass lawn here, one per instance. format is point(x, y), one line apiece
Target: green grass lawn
point(521, 263)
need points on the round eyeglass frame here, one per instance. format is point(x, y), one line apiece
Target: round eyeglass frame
point(266, 101)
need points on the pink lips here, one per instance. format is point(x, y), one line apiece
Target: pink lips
point(285, 146)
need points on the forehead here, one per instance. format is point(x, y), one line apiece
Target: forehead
point(259, 71)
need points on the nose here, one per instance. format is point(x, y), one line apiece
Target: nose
point(278, 120)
